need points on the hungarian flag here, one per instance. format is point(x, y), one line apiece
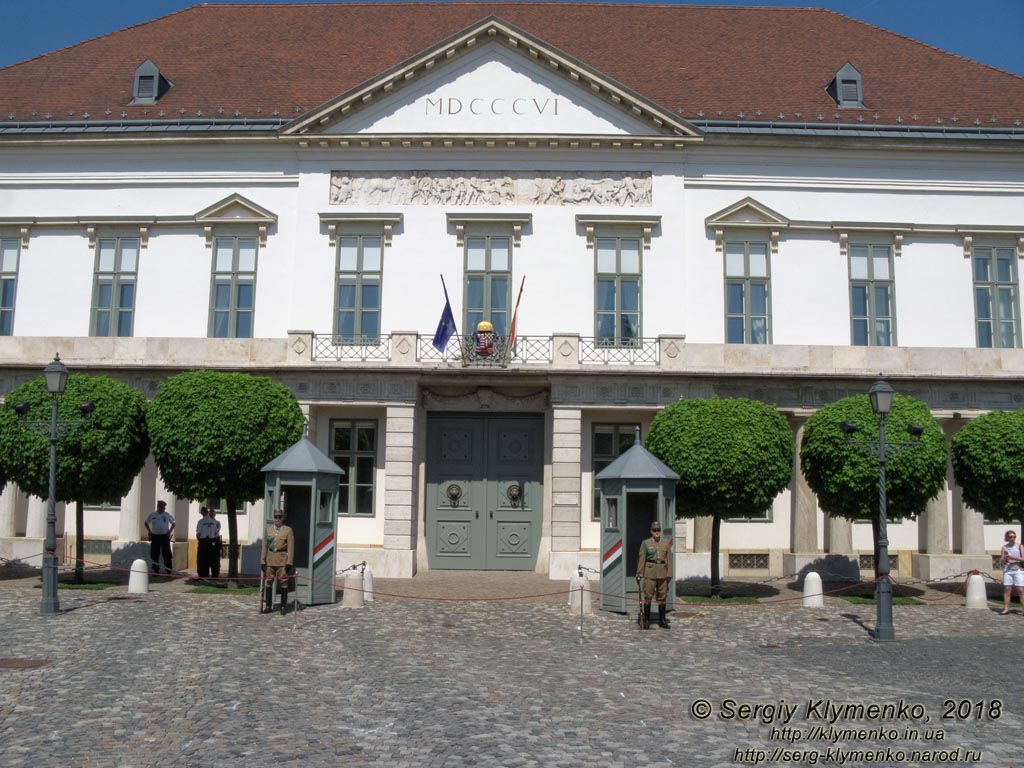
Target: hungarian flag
point(509, 348)
point(446, 325)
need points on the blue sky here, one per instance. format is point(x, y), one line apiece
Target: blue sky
point(989, 31)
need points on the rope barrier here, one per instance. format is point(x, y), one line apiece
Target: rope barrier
point(509, 598)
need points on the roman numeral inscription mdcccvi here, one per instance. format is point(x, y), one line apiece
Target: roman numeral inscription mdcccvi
point(491, 105)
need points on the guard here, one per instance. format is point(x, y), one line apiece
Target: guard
point(654, 566)
point(277, 560)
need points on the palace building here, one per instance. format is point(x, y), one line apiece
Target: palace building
point(645, 202)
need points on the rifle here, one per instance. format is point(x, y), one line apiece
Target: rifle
point(641, 618)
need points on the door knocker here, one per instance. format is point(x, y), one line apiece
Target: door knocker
point(515, 494)
point(454, 493)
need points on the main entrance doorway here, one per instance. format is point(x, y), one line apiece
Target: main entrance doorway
point(484, 487)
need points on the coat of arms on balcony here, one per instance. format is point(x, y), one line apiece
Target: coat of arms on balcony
point(483, 339)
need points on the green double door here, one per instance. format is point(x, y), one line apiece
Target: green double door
point(484, 486)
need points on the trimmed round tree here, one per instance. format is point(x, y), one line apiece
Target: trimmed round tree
point(845, 477)
point(212, 432)
point(988, 463)
point(97, 461)
point(733, 457)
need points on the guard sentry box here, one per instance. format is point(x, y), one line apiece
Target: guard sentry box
point(635, 490)
point(303, 481)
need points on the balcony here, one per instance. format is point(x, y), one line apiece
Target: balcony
point(558, 353)
point(465, 350)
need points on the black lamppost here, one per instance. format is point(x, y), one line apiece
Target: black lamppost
point(881, 395)
point(56, 376)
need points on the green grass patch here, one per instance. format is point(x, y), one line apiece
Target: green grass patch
point(896, 600)
point(725, 600)
point(209, 589)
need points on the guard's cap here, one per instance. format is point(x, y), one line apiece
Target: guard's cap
point(655, 526)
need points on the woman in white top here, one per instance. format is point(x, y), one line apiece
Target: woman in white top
point(1013, 571)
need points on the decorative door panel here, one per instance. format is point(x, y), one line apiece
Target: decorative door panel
point(484, 491)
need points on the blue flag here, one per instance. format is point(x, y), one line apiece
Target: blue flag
point(445, 328)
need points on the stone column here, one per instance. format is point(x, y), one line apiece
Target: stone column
point(8, 511)
point(566, 499)
point(399, 493)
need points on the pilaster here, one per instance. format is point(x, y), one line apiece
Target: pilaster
point(566, 434)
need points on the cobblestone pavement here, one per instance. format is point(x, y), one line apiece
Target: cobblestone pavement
point(174, 678)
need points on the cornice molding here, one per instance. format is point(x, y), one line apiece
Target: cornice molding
point(749, 214)
point(592, 222)
point(514, 220)
point(248, 213)
point(334, 221)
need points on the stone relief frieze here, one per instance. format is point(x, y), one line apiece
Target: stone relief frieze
point(606, 188)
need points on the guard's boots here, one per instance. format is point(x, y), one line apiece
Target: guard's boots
point(647, 616)
point(284, 601)
point(662, 621)
point(268, 600)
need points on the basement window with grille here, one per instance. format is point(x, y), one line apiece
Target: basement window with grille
point(149, 84)
point(846, 87)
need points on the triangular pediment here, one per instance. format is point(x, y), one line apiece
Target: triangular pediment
point(492, 79)
point(235, 208)
point(748, 212)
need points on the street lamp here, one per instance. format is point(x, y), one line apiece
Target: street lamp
point(56, 377)
point(881, 396)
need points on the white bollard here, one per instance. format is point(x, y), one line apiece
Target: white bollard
point(368, 584)
point(977, 597)
point(579, 589)
point(353, 590)
point(812, 591)
point(138, 579)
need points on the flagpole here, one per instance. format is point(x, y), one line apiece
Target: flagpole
point(458, 338)
point(510, 340)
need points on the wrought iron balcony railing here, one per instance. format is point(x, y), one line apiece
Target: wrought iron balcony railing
point(621, 352)
point(467, 351)
point(355, 348)
point(464, 350)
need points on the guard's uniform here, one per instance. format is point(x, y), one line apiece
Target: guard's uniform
point(207, 535)
point(277, 559)
point(654, 566)
point(159, 524)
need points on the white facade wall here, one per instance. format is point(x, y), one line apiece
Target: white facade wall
point(824, 191)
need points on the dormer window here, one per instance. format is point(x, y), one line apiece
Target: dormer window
point(846, 88)
point(149, 85)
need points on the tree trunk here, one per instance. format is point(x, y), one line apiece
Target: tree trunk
point(232, 542)
point(716, 542)
point(79, 543)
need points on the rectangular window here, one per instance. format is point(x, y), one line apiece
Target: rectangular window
point(354, 449)
point(617, 299)
point(357, 293)
point(9, 251)
point(872, 297)
point(747, 293)
point(233, 290)
point(995, 297)
point(488, 282)
point(608, 443)
point(113, 293)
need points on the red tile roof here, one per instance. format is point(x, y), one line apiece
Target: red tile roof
point(718, 60)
